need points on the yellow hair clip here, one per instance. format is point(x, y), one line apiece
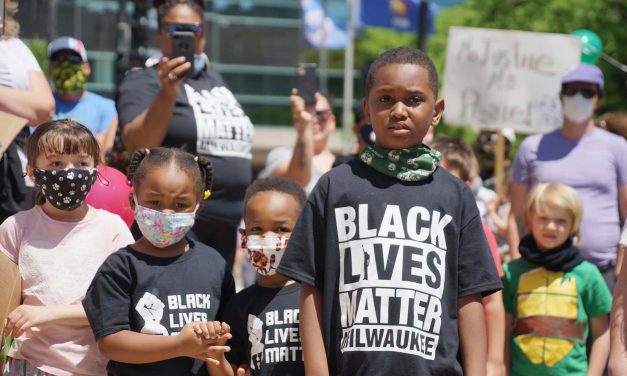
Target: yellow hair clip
point(207, 194)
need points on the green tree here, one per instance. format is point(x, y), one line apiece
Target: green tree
point(604, 17)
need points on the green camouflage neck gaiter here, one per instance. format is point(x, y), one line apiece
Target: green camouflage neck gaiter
point(414, 164)
point(68, 78)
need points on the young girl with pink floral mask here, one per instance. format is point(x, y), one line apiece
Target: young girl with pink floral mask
point(152, 305)
point(271, 306)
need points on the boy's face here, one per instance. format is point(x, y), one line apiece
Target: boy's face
point(401, 106)
point(271, 213)
point(550, 226)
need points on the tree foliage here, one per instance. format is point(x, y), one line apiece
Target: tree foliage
point(604, 17)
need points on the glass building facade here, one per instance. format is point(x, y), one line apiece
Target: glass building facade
point(254, 44)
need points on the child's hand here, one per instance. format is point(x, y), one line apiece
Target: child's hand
point(219, 335)
point(24, 317)
point(496, 369)
point(243, 370)
point(195, 340)
point(205, 340)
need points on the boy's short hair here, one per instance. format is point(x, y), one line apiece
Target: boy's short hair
point(277, 184)
point(403, 55)
point(455, 154)
point(560, 195)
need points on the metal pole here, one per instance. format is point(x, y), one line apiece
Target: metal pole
point(53, 19)
point(349, 52)
point(323, 56)
point(423, 14)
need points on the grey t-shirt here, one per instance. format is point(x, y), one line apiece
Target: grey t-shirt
point(595, 165)
point(391, 259)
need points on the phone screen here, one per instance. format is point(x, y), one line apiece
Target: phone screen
point(184, 44)
point(306, 82)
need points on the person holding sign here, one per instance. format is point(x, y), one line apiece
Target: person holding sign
point(584, 157)
point(389, 248)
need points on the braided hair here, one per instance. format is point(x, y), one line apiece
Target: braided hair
point(164, 6)
point(198, 168)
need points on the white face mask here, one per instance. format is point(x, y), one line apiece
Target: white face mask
point(577, 108)
point(265, 252)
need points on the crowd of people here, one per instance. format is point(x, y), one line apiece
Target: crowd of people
point(396, 259)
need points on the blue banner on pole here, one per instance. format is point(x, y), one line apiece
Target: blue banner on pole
point(401, 15)
point(319, 29)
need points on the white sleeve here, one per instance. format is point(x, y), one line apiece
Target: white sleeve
point(276, 156)
point(27, 60)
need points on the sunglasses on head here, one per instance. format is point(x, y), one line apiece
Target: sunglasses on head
point(323, 115)
point(74, 59)
point(585, 92)
point(197, 29)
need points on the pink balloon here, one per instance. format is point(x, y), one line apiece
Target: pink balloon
point(110, 192)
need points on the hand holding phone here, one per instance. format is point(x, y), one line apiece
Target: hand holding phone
point(184, 44)
point(306, 82)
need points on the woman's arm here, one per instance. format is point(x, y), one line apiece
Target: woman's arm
point(26, 316)
point(314, 354)
point(472, 335)
point(35, 104)
point(108, 136)
point(148, 129)
point(600, 337)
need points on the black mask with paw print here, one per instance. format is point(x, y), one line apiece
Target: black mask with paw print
point(65, 189)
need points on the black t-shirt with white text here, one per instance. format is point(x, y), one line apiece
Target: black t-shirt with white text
point(391, 259)
point(158, 296)
point(265, 326)
point(206, 120)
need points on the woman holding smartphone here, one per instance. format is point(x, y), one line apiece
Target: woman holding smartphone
point(181, 103)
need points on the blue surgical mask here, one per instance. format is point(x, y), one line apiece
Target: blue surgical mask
point(200, 61)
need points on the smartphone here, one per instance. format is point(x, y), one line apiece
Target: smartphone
point(184, 44)
point(306, 82)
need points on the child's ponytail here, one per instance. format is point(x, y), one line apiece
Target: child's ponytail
point(206, 172)
point(136, 159)
point(199, 168)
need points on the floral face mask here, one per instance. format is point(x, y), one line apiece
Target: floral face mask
point(265, 252)
point(163, 229)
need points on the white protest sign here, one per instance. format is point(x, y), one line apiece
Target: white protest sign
point(499, 78)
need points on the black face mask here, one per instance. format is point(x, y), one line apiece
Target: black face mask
point(65, 189)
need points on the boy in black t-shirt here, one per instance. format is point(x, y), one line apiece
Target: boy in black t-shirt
point(389, 249)
point(264, 317)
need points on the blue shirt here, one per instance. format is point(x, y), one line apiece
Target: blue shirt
point(93, 111)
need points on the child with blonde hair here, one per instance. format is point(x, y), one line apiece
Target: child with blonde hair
point(554, 300)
